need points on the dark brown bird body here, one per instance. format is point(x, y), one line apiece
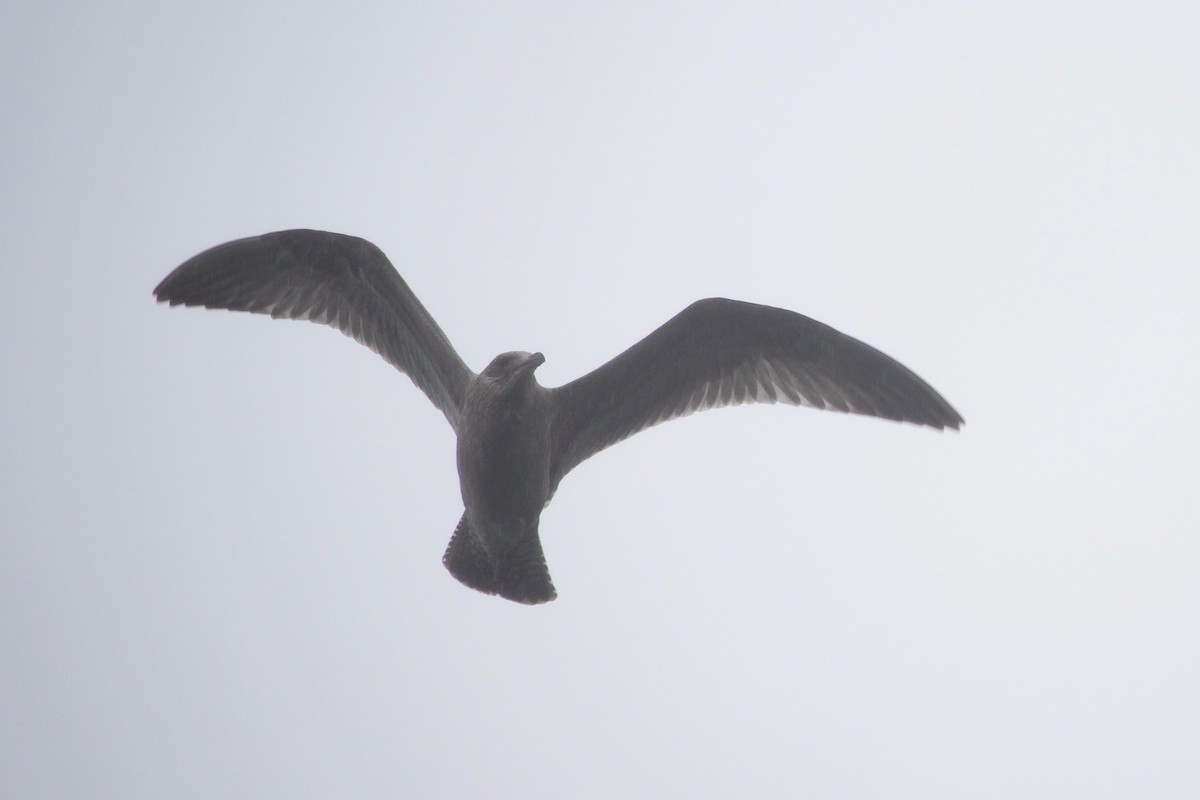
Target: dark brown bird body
point(504, 443)
point(517, 439)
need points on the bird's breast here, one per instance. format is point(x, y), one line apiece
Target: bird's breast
point(504, 462)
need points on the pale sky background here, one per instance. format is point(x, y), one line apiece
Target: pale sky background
point(220, 535)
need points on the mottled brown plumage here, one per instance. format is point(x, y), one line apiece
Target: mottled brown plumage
point(517, 439)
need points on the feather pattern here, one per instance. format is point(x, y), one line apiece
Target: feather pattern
point(719, 352)
point(517, 439)
point(336, 280)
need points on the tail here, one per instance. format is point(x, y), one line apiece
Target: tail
point(517, 573)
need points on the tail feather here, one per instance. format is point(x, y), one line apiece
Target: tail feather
point(518, 572)
point(522, 574)
point(467, 559)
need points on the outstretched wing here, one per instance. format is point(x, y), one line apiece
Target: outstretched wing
point(719, 352)
point(341, 281)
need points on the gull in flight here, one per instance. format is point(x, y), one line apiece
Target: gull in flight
point(517, 438)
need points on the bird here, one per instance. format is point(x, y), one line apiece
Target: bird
point(517, 439)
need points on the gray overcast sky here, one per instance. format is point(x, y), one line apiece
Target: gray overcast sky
point(220, 535)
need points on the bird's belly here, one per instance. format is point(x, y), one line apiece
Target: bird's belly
point(504, 484)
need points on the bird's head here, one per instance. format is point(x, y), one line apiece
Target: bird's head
point(510, 370)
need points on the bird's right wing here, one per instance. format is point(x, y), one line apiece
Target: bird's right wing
point(341, 281)
point(719, 352)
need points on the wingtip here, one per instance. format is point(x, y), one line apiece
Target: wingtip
point(954, 423)
point(162, 292)
point(167, 299)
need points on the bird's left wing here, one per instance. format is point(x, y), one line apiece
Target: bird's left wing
point(341, 281)
point(719, 352)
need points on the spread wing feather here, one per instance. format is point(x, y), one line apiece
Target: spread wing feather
point(719, 352)
point(338, 280)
